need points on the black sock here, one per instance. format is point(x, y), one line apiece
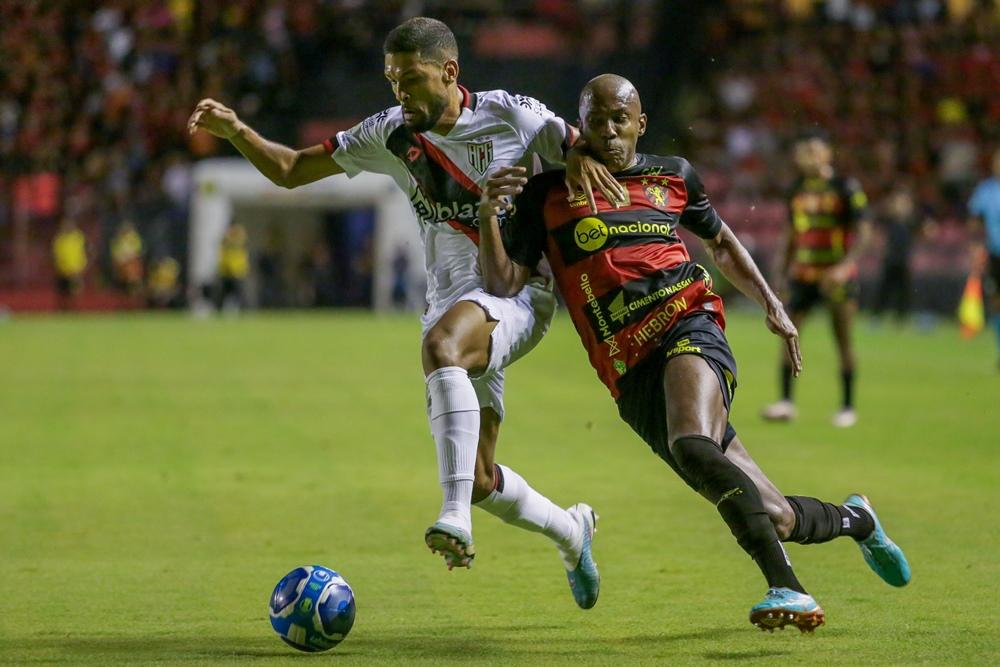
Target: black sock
point(847, 384)
point(817, 522)
point(739, 502)
point(786, 382)
point(855, 522)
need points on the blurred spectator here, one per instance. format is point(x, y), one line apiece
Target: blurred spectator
point(906, 90)
point(126, 258)
point(69, 253)
point(902, 223)
point(94, 95)
point(234, 264)
point(271, 292)
point(163, 285)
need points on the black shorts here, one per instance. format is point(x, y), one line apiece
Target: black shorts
point(803, 296)
point(641, 402)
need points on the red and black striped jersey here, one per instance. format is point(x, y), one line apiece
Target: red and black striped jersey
point(625, 274)
point(824, 213)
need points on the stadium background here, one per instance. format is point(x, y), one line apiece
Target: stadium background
point(92, 122)
point(159, 474)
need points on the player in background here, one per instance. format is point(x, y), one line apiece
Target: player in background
point(984, 208)
point(653, 329)
point(904, 223)
point(438, 145)
point(829, 230)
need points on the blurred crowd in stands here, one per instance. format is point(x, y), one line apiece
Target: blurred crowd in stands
point(94, 96)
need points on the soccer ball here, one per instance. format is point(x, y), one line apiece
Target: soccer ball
point(312, 608)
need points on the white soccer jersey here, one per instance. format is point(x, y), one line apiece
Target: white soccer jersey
point(443, 175)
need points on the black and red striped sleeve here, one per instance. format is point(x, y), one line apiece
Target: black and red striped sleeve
point(699, 216)
point(523, 232)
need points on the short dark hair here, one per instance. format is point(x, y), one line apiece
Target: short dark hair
point(431, 38)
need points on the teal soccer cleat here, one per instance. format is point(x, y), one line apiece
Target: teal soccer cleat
point(882, 554)
point(451, 542)
point(584, 579)
point(783, 606)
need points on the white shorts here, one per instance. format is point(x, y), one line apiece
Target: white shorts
point(521, 320)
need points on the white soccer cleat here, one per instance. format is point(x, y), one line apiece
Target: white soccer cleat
point(782, 411)
point(845, 418)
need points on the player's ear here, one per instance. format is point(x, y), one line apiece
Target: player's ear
point(450, 70)
point(642, 124)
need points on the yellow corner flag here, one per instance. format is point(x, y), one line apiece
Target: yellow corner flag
point(971, 309)
point(971, 312)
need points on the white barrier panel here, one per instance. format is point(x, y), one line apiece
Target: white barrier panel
point(222, 184)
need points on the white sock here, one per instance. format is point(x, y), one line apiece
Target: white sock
point(516, 503)
point(454, 417)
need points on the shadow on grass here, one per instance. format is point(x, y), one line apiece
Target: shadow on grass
point(742, 655)
point(434, 644)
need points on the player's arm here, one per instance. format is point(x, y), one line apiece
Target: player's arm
point(857, 206)
point(739, 268)
point(701, 218)
point(558, 142)
point(502, 276)
point(786, 252)
point(283, 166)
point(976, 222)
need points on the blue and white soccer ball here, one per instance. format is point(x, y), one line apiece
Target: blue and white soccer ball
point(312, 608)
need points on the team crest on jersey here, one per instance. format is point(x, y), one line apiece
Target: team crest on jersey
point(579, 200)
point(480, 155)
point(656, 195)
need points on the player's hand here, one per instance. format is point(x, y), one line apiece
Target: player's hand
point(502, 186)
point(781, 325)
point(215, 118)
point(836, 276)
point(584, 172)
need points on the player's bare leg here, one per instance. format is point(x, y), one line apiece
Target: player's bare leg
point(505, 494)
point(842, 319)
point(458, 343)
point(696, 422)
point(457, 346)
point(783, 410)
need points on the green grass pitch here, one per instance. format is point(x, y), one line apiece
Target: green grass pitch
point(158, 475)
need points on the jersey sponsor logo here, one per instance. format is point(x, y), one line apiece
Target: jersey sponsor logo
point(431, 211)
point(590, 234)
point(596, 311)
point(683, 346)
point(481, 155)
point(660, 321)
point(620, 310)
point(610, 313)
point(620, 366)
point(580, 199)
point(530, 103)
point(443, 192)
point(597, 316)
point(372, 121)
